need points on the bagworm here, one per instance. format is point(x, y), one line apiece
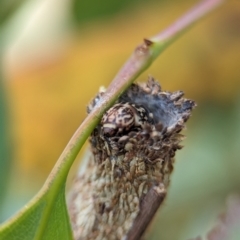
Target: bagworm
point(132, 151)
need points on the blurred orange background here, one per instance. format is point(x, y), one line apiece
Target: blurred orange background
point(56, 58)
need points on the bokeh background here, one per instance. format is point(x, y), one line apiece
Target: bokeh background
point(55, 54)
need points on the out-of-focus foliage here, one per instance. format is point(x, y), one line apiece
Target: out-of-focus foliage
point(5, 147)
point(89, 10)
point(49, 97)
point(7, 8)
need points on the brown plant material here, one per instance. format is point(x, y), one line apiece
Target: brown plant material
point(228, 223)
point(125, 179)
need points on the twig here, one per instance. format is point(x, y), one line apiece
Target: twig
point(149, 207)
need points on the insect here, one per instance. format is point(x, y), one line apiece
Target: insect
point(122, 117)
point(132, 150)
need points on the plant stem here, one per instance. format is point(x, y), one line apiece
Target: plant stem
point(139, 61)
point(166, 37)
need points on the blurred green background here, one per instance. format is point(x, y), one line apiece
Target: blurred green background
point(56, 54)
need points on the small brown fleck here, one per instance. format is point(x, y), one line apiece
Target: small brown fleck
point(148, 42)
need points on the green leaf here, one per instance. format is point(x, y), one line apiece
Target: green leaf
point(44, 218)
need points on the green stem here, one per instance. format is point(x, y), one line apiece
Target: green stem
point(139, 61)
point(162, 40)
